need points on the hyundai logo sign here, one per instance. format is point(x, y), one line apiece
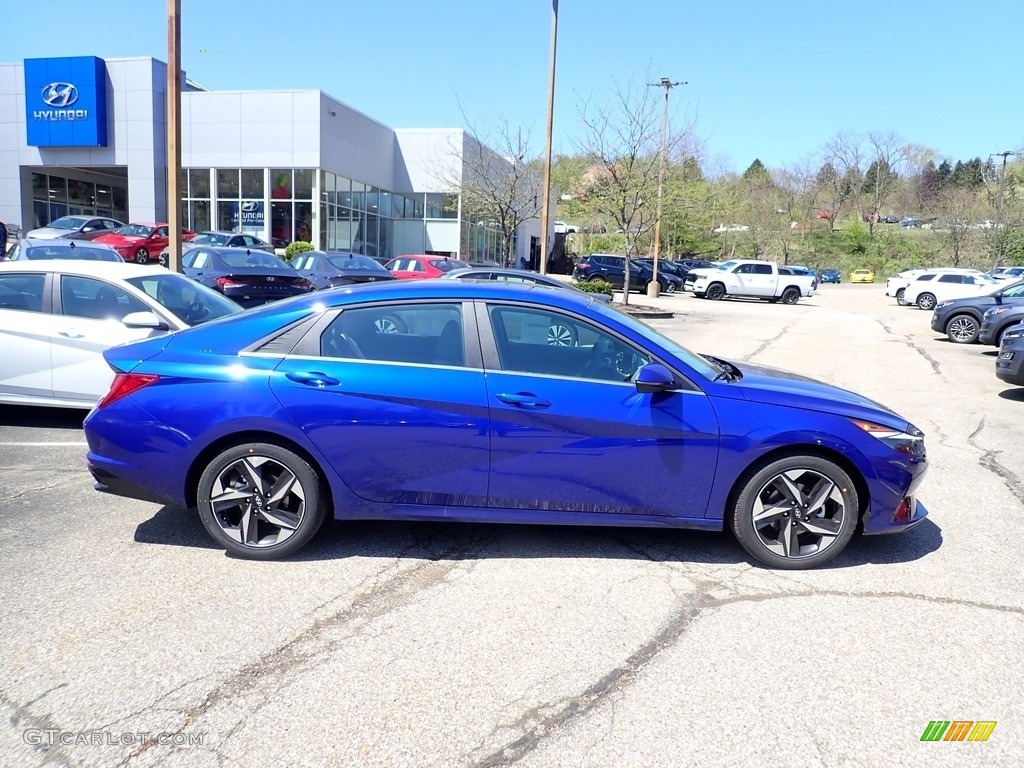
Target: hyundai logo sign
point(59, 94)
point(250, 206)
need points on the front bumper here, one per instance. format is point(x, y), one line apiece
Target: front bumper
point(1010, 366)
point(939, 322)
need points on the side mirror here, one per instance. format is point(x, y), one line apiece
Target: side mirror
point(655, 377)
point(144, 320)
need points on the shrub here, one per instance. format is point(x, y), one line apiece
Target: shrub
point(598, 286)
point(294, 249)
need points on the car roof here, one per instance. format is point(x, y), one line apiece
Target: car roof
point(34, 242)
point(112, 269)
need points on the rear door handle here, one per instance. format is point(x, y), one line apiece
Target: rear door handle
point(313, 378)
point(524, 400)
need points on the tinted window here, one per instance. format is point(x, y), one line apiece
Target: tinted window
point(134, 230)
point(951, 279)
point(190, 301)
point(1014, 292)
point(424, 334)
point(210, 238)
point(24, 292)
point(82, 252)
point(541, 341)
point(744, 269)
point(762, 269)
point(67, 222)
point(922, 278)
point(355, 262)
point(254, 259)
point(86, 297)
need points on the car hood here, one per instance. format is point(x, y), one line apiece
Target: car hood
point(705, 271)
point(45, 233)
point(775, 386)
point(116, 240)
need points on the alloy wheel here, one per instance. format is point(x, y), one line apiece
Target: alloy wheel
point(926, 301)
point(798, 513)
point(257, 501)
point(142, 256)
point(962, 329)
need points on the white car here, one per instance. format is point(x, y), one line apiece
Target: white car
point(932, 286)
point(58, 316)
point(896, 286)
point(1008, 274)
point(70, 225)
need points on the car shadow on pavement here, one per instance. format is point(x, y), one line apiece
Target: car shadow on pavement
point(1014, 393)
point(45, 418)
point(339, 539)
point(990, 352)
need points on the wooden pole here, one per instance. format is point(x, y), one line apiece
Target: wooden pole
point(174, 135)
point(546, 204)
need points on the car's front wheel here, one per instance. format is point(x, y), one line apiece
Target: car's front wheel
point(715, 291)
point(796, 512)
point(142, 256)
point(926, 301)
point(260, 501)
point(962, 329)
point(791, 296)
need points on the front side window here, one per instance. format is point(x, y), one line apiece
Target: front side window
point(22, 291)
point(762, 269)
point(422, 334)
point(96, 299)
point(541, 341)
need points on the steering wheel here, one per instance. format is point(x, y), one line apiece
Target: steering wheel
point(602, 362)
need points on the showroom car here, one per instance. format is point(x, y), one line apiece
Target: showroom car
point(28, 249)
point(962, 319)
point(220, 240)
point(932, 286)
point(141, 243)
point(269, 421)
point(70, 225)
point(423, 267)
point(329, 270)
point(56, 317)
point(1010, 362)
point(248, 277)
point(521, 276)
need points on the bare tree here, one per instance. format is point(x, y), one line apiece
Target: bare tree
point(496, 174)
point(622, 140)
point(888, 155)
point(957, 205)
point(845, 154)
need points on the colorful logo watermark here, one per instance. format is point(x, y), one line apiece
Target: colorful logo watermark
point(958, 730)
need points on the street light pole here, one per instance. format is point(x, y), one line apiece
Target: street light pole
point(546, 199)
point(174, 135)
point(668, 85)
point(996, 237)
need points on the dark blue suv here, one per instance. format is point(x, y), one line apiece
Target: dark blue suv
point(612, 269)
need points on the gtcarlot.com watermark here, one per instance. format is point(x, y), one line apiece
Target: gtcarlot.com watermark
point(51, 737)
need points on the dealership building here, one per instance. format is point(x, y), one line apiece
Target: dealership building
point(88, 136)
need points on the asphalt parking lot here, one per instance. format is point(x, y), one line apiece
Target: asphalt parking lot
point(398, 644)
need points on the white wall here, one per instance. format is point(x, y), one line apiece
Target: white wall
point(354, 145)
point(427, 159)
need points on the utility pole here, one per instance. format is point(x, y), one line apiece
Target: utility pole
point(668, 85)
point(546, 200)
point(997, 235)
point(174, 135)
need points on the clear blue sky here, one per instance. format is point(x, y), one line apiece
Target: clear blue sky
point(773, 80)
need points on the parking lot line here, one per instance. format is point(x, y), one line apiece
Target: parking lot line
point(77, 444)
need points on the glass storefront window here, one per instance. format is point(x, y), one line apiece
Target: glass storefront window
point(371, 242)
point(304, 221)
point(227, 182)
point(252, 183)
point(58, 190)
point(81, 192)
point(39, 189)
point(384, 244)
point(358, 196)
point(199, 182)
point(120, 196)
point(327, 186)
point(372, 196)
point(226, 215)
point(281, 221)
point(344, 190)
point(303, 189)
point(384, 204)
point(323, 225)
point(281, 183)
point(199, 219)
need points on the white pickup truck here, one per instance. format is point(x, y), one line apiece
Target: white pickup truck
point(753, 280)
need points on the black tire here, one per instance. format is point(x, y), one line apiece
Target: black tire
point(926, 301)
point(302, 502)
point(790, 295)
point(962, 329)
point(837, 516)
point(670, 287)
point(142, 256)
point(596, 279)
point(899, 297)
point(715, 291)
point(162, 260)
point(773, 300)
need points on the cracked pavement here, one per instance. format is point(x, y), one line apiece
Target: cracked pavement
point(411, 644)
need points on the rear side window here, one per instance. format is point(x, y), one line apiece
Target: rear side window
point(923, 278)
point(423, 334)
point(952, 279)
point(22, 291)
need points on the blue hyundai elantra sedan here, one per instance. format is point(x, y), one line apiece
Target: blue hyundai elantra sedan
point(448, 400)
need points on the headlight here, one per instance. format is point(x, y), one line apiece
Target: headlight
point(942, 304)
point(910, 442)
point(1013, 333)
point(997, 311)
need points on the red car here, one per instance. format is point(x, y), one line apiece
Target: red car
point(423, 267)
point(140, 242)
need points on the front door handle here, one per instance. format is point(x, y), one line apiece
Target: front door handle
point(313, 378)
point(524, 400)
point(72, 334)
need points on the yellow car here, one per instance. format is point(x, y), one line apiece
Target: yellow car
point(862, 276)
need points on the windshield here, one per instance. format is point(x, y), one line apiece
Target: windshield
point(189, 301)
point(253, 259)
point(68, 252)
point(448, 266)
point(209, 238)
point(67, 222)
point(703, 366)
point(356, 262)
point(134, 230)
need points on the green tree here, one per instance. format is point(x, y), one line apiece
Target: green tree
point(756, 172)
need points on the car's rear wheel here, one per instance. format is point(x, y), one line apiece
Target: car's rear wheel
point(962, 329)
point(900, 297)
point(142, 256)
point(715, 291)
point(260, 501)
point(791, 296)
point(596, 279)
point(796, 512)
point(162, 259)
point(926, 301)
point(670, 287)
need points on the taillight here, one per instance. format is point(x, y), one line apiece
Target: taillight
point(228, 282)
point(124, 384)
point(583, 267)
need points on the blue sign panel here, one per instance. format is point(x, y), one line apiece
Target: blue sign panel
point(66, 102)
point(251, 214)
